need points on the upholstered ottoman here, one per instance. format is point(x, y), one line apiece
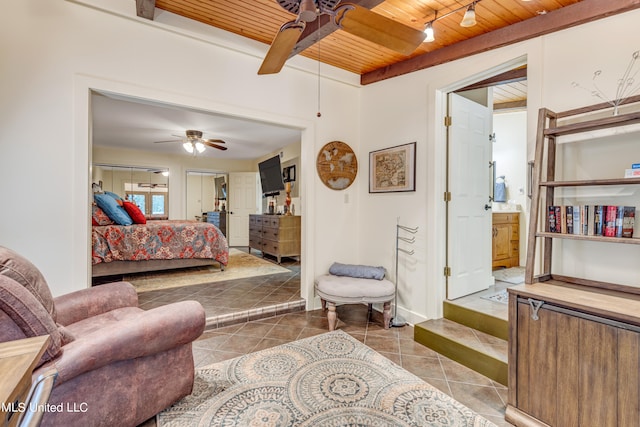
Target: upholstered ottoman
point(334, 290)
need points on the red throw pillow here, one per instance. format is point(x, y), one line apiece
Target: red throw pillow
point(134, 212)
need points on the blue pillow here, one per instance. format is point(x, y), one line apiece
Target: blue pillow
point(114, 195)
point(113, 210)
point(358, 271)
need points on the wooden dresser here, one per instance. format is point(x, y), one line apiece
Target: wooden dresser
point(505, 240)
point(277, 235)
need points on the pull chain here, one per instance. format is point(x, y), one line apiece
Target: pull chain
point(319, 114)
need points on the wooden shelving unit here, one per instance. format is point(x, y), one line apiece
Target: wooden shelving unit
point(574, 343)
point(545, 179)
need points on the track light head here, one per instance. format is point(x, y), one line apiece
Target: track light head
point(430, 36)
point(469, 19)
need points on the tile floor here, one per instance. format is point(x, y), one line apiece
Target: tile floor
point(228, 336)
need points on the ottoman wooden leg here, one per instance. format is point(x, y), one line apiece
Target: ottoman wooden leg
point(387, 314)
point(324, 304)
point(332, 317)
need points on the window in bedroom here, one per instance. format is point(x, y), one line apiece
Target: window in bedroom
point(148, 188)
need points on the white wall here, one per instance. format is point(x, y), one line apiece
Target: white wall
point(411, 107)
point(53, 53)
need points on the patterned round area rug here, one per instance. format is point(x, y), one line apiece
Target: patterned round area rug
point(326, 380)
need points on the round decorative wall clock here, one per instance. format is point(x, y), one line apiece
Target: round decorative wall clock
point(337, 165)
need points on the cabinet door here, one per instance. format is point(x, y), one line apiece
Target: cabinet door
point(501, 241)
point(574, 371)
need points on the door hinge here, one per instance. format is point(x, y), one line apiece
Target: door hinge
point(447, 271)
point(447, 120)
point(447, 196)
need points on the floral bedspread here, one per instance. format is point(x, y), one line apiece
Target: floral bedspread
point(168, 239)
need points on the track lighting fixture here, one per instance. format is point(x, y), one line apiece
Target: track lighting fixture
point(430, 36)
point(469, 19)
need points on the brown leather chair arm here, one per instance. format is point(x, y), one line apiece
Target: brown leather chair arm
point(149, 333)
point(85, 303)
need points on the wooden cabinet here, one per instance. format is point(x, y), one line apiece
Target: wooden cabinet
point(574, 356)
point(277, 235)
point(219, 219)
point(505, 241)
point(574, 342)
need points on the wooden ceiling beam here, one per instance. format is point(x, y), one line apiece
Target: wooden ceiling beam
point(559, 19)
point(323, 26)
point(511, 76)
point(145, 8)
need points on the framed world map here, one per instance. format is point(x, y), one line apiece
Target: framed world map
point(337, 165)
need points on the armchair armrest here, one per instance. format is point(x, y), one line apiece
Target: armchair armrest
point(85, 303)
point(149, 333)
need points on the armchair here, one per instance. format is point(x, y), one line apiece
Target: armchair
point(117, 364)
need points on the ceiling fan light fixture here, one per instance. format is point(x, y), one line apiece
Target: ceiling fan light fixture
point(200, 147)
point(469, 18)
point(430, 35)
point(188, 147)
point(307, 11)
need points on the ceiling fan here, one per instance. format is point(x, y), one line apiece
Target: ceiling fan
point(352, 18)
point(195, 143)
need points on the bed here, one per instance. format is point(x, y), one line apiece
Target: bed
point(156, 245)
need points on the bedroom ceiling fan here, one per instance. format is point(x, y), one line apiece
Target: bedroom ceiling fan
point(352, 18)
point(195, 143)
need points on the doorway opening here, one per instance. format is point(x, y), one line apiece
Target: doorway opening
point(500, 249)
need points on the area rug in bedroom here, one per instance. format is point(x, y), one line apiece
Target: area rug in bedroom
point(241, 266)
point(327, 380)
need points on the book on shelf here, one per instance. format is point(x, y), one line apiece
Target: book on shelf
point(552, 219)
point(569, 219)
point(632, 173)
point(590, 220)
point(619, 217)
point(609, 228)
point(598, 220)
point(628, 221)
point(576, 220)
point(563, 219)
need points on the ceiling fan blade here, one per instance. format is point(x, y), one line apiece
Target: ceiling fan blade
point(210, 144)
point(378, 29)
point(219, 141)
point(281, 47)
point(170, 140)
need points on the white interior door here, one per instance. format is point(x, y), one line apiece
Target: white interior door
point(244, 199)
point(469, 219)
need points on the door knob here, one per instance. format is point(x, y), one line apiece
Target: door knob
point(487, 207)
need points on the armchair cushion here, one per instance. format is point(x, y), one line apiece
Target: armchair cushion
point(21, 270)
point(85, 303)
point(125, 334)
point(26, 312)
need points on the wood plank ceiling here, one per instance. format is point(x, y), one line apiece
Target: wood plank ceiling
point(499, 22)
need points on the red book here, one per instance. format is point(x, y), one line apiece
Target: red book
point(610, 221)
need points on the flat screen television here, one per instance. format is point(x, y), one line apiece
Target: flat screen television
point(271, 176)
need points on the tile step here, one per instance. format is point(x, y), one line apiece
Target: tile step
point(475, 319)
point(472, 348)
